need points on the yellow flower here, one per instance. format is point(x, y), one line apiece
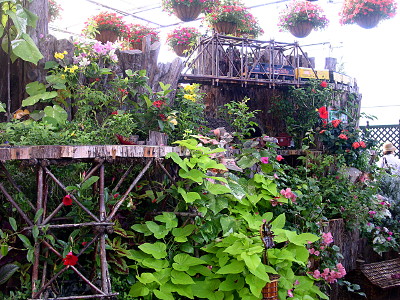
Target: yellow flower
point(59, 55)
point(190, 97)
point(66, 69)
point(62, 76)
point(172, 120)
point(65, 52)
point(73, 69)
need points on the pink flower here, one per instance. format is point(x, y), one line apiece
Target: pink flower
point(264, 159)
point(327, 238)
point(276, 176)
point(372, 213)
point(289, 194)
point(290, 293)
point(389, 238)
point(317, 274)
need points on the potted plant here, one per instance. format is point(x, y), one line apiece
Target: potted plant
point(54, 10)
point(301, 17)
point(138, 32)
point(367, 13)
point(105, 27)
point(250, 28)
point(227, 17)
point(182, 39)
point(187, 10)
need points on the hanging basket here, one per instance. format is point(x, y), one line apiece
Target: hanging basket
point(105, 36)
point(187, 13)
point(225, 27)
point(181, 49)
point(302, 29)
point(270, 291)
point(368, 21)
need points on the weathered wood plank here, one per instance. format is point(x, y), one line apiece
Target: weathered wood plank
point(87, 151)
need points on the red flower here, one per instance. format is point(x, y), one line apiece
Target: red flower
point(162, 117)
point(323, 84)
point(115, 112)
point(158, 103)
point(70, 259)
point(322, 131)
point(323, 112)
point(343, 136)
point(84, 244)
point(279, 157)
point(356, 145)
point(362, 144)
point(336, 123)
point(67, 200)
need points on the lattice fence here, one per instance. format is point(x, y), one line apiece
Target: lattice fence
point(384, 133)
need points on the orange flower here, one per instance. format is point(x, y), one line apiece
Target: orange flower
point(343, 136)
point(336, 123)
point(356, 145)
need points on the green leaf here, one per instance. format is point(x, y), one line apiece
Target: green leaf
point(138, 290)
point(163, 296)
point(217, 189)
point(189, 197)
point(181, 234)
point(89, 182)
point(234, 267)
point(169, 219)
point(56, 112)
point(157, 250)
point(303, 238)
point(193, 174)
point(155, 264)
point(279, 222)
point(35, 232)
point(35, 88)
point(159, 231)
point(57, 82)
point(13, 223)
point(147, 278)
point(261, 273)
point(6, 272)
point(184, 261)
point(51, 64)
point(177, 159)
point(251, 261)
point(206, 289)
point(38, 214)
point(142, 228)
point(178, 277)
point(26, 49)
point(256, 284)
point(232, 282)
point(32, 100)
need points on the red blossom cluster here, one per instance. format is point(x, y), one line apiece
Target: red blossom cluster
point(352, 9)
point(158, 103)
point(137, 32)
point(233, 11)
point(168, 5)
point(183, 36)
point(108, 21)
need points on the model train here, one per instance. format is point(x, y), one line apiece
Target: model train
point(286, 72)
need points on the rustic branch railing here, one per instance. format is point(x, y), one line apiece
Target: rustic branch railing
point(43, 159)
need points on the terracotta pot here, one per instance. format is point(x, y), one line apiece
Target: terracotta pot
point(137, 45)
point(105, 36)
point(368, 21)
point(301, 29)
point(187, 13)
point(225, 27)
point(180, 49)
point(270, 291)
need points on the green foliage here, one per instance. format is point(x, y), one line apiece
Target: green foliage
point(240, 117)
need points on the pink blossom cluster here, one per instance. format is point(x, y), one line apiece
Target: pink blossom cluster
point(352, 9)
point(137, 32)
point(330, 275)
point(183, 35)
point(289, 194)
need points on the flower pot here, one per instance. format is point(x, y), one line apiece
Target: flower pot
point(368, 21)
point(301, 30)
point(105, 36)
point(270, 290)
point(180, 49)
point(137, 45)
point(225, 27)
point(187, 13)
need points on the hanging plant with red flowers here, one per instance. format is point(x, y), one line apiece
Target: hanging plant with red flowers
point(250, 27)
point(301, 12)
point(105, 21)
point(138, 32)
point(168, 5)
point(183, 36)
point(55, 10)
point(353, 10)
point(230, 11)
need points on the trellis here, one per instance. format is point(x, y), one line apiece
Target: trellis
point(44, 160)
point(383, 133)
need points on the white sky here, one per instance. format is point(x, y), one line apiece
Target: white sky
point(369, 55)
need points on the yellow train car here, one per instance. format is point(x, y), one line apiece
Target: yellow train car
point(308, 73)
